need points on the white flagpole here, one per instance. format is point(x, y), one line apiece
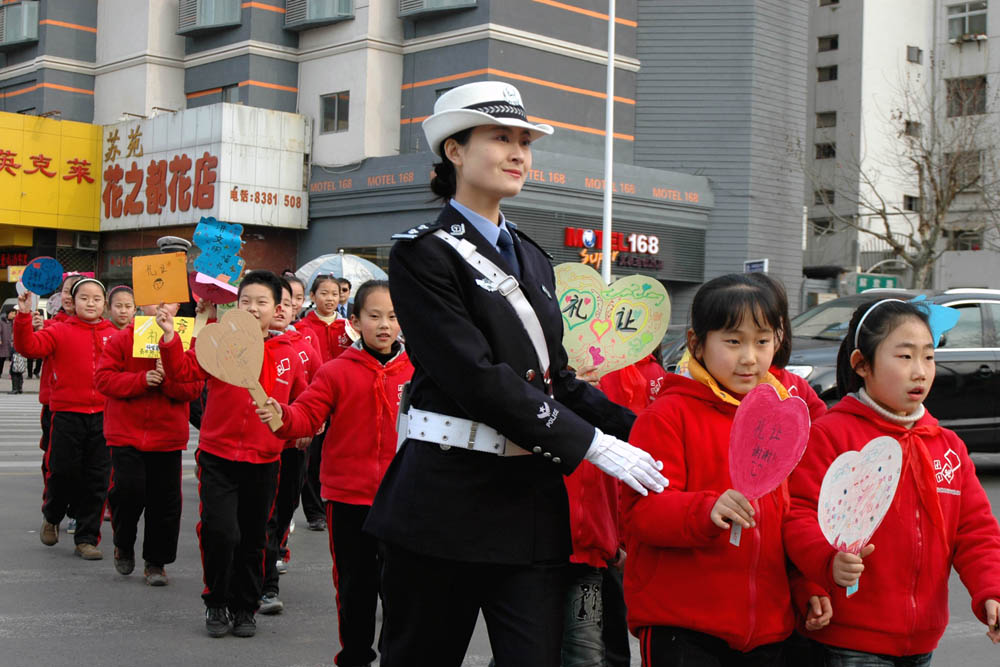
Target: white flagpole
point(609, 147)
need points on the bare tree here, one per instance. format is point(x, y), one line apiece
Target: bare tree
point(940, 146)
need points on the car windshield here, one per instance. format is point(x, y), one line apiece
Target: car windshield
point(826, 322)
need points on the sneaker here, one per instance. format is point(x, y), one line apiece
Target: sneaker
point(124, 562)
point(281, 566)
point(49, 533)
point(88, 552)
point(155, 575)
point(317, 524)
point(217, 621)
point(270, 604)
point(71, 527)
point(244, 624)
point(291, 526)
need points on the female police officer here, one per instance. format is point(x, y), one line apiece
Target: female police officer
point(472, 513)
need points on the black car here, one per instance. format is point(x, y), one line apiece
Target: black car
point(965, 396)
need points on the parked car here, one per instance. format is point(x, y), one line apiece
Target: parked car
point(965, 396)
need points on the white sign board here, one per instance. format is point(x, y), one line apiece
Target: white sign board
point(235, 163)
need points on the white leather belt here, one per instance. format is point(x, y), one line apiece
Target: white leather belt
point(448, 432)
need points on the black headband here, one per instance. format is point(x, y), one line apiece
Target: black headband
point(500, 109)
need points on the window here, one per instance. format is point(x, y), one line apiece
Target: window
point(826, 151)
point(969, 330)
point(966, 240)
point(827, 73)
point(825, 3)
point(964, 169)
point(826, 119)
point(828, 43)
point(821, 197)
point(914, 54)
point(822, 226)
point(911, 203)
point(231, 94)
point(335, 110)
point(911, 128)
point(966, 96)
point(195, 16)
point(966, 19)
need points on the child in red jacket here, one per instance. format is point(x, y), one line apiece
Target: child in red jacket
point(293, 459)
point(327, 330)
point(78, 460)
point(939, 517)
point(360, 392)
point(238, 461)
point(121, 306)
point(145, 461)
point(693, 598)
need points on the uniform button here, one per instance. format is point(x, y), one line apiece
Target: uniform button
point(530, 374)
point(547, 455)
point(557, 460)
point(537, 450)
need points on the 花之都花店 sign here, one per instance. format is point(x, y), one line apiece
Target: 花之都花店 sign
point(235, 163)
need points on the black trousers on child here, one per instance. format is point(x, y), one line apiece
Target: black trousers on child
point(79, 466)
point(677, 647)
point(312, 503)
point(432, 604)
point(293, 469)
point(236, 501)
point(355, 581)
point(147, 482)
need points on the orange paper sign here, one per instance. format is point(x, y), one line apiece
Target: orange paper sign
point(160, 279)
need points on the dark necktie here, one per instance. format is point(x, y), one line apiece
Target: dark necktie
point(505, 244)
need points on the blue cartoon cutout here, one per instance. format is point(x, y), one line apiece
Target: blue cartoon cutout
point(942, 319)
point(220, 244)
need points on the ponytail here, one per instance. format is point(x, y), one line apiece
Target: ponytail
point(444, 183)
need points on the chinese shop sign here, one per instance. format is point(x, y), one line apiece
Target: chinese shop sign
point(49, 172)
point(230, 162)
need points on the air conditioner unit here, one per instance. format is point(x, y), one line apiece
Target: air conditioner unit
point(197, 16)
point(18, 24)
point(305, 14)
point(86, 241)
point(417, 8)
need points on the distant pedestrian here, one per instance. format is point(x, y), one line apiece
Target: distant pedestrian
point(6, 338)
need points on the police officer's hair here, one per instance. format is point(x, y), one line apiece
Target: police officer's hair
point(366, 288)
point(444, 183)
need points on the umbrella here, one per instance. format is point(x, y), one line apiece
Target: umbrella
point(352, 267)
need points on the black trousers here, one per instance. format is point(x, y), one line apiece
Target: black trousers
point(37, 372)
point(679, 647)
point(431, 606)
point(236, 501)
point(290, 478)
point(147, 482)
point(355, 581)
point(79, 465)
point(17, 382)
point(312, 502)
point(617, 652)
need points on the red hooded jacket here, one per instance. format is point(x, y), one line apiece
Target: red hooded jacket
point(901, 607)
point(230, 427)
point(309, 357)
point(45, 382)
point(72, 348)
point(330, 339)
point(681, 569)
point(151, 419)
point(361, 397)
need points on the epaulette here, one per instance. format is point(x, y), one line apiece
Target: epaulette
point(525, 237)
point(416, 232)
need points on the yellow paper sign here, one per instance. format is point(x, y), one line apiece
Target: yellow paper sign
point(146, 339)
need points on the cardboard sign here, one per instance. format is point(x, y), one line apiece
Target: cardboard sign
point(766, 442)
point(147, 334)
point(857, 491)
point(220, 244)
point(609, 326)
point(232, 350)
point(160, 279)
point(210, 289)
point(42, 275)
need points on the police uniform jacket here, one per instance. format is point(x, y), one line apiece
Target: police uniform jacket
point(473, 359)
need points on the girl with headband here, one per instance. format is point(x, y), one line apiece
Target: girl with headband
point(472, 512)
point(940, 516)
point(78, 461)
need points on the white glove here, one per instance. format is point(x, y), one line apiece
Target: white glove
point(630, 464)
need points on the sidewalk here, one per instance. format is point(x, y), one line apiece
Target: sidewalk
point(30, 386)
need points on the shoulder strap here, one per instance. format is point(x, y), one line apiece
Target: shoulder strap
point(507, 286)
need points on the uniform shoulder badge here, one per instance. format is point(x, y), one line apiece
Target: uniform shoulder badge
point(416, 232)
point(458, 230)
